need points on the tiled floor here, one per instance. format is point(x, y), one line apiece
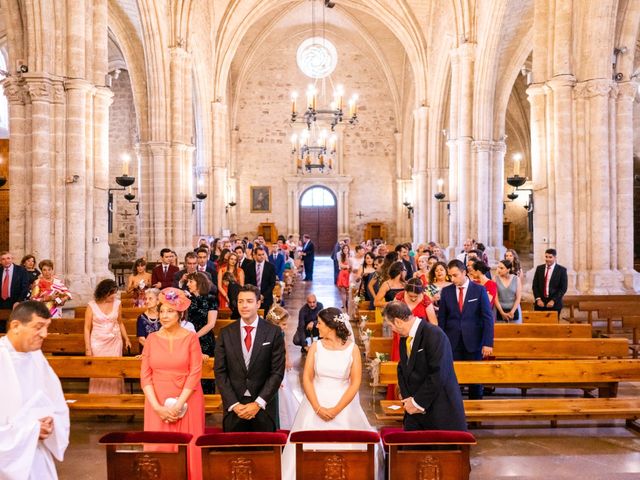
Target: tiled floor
point(600, 451)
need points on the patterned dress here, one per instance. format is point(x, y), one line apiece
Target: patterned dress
point(198, 311)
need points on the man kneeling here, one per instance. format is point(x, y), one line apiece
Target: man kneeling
point(34, 418)
point(428, 385)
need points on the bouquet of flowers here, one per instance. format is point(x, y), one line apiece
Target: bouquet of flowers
point(382, 357)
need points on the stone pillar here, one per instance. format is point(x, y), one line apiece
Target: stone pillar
point(495, 240)
point(624, 198)
point(60, 178)
point(16, 93)
point(481, 160)
point(419, 175)
point(219, 163)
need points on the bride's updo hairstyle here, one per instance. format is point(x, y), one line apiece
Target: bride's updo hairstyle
point(331, 318)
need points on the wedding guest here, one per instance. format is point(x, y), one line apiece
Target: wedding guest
point(14, 285)
point(344, 266)
point(29, 264)
point(366, 270)
point(512, 256)
point(170, 378)
point(423, 269)
point(203, 313)
point(147, 322)
point(34, 417)
point(139, 281)
point(50, 290)
point(233, 287)
point(438, 279)
point(230, 265)
point(162, 275)
point(374, 282)
point(509, 293)
point(478, 273)
point(307, 330)
point(104, 333)
point(549, 283)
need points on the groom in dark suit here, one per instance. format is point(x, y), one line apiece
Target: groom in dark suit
point(428, 385)
point(465, 315)
point(249, 368)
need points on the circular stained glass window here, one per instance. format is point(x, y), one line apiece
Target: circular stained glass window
point(317, 57)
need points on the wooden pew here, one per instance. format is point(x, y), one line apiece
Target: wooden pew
point(605, 374)
point(572, 301)
point(114, 367)
point(537, 348)
point(126, 312)
point(73, 344)
point(532, 316)
point(514, 330)
point(591, 307)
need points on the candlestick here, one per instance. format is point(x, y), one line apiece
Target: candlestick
point(126, 158)
point(516, 163)
point(294, 98)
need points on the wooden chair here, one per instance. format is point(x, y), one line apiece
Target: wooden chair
point(334, 462)
point(230, 456)
point(127, 456)
point(433, 454)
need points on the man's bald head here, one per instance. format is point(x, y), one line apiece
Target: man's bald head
point(312, 301)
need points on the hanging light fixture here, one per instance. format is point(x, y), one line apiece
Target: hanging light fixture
point(314, 146)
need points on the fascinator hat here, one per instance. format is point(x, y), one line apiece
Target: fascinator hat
point(175, 298)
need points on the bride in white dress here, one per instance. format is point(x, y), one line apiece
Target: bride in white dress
point(331, 380)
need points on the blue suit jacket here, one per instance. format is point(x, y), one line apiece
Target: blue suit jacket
point(278, 263)
point(474, 325)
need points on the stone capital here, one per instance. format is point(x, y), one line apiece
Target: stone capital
point(78, 84)
point(14, 90)
point(561, 82)
point(40, 90)
point(598, 87)
point(58, 92)
point(105, 94)
point(499, 146)
point(480, 146)
point(535, 90)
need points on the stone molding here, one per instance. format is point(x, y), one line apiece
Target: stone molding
point(481, 146)
point(598, 87)
point(15, 91)
point(561, 82)
point(627, 91)
point(78, 84)
point(499, 146)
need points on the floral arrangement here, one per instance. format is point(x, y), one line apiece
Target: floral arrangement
point(382, 357)
point(368, 332)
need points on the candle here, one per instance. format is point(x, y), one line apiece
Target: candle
point(440, 184)
point(516, 163)
point(355, 104)
point(310, 96)
point(126, 158)
point(351, 107)
point(332, 143)
point(340, 94)
point(294, 97)
point(294, 141)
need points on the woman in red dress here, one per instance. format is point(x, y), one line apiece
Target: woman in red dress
point(343, 276)
point(420, 305)
point(478, 273)
point(170, 377)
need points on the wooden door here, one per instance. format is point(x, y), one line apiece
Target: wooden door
point(321, 224)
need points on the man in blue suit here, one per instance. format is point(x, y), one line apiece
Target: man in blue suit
point(465, 316)
point(276, 258)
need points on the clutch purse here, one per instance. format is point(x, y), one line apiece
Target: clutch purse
point(171, 401)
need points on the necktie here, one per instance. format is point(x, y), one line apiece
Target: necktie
point(546, 282)
point(247, 338)
point(164, 269)
point(259, 275)
point(460, 297)
point(5, 284)
point(408, 344)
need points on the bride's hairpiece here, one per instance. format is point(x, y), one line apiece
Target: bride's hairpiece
point(343, 317)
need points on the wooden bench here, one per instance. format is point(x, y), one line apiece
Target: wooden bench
point(591, 307)
point(606, 374)
point(514, 330)
point(370, 314)
point(536, 348)
point(532, 316)
point(572, 301)
point(114, 367)
point(73, 344)
point(76, 325)
point(126, 312)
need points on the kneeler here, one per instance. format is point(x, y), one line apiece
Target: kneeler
point(128, 458)
point(236, 455)
point(432, 454)
point(334, 462)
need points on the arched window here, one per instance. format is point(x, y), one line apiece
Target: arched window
point(317, 197)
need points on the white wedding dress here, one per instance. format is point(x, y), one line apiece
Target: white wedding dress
point(332, 370)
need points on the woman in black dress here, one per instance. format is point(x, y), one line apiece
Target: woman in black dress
point(203, 313)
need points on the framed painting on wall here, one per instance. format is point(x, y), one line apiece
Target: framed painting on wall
point(260, 199)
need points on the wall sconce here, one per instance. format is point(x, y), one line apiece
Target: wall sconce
point(200, 197)
point(124, 181)
point(409, 209)
point(516, 181)
point(229, 205)
point(72, 179)
point(129, 198)
point(440, 195)
point(3, 182)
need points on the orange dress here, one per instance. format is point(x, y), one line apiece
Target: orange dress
point(169, 371)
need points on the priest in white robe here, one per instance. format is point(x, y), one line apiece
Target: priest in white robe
point(34, 417)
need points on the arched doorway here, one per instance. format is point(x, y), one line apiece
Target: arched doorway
point(319, 218)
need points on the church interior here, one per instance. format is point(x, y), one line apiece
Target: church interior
point(129, 126)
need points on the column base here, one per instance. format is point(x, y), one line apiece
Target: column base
point(603, 282)
point(631, 280)
point(82, 287)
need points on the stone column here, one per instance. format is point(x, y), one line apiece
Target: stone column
point(481, 154)
point(419, 175)
point(78, 98)
point(495, 240)
point(100, 241)
point(16, 93)
point(219, 163)
point(624, 198)
point(60, 181)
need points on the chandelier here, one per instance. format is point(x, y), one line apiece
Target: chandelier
point(314, 145)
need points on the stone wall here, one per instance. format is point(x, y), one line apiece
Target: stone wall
point(264, 137)
point(123, 133)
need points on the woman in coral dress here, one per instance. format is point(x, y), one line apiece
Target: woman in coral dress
point(170, 378)
point(50, 290)
point(104, 334)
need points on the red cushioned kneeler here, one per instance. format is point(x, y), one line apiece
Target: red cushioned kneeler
point(125, 458)
point(447, 456)
point(335, 463)
point(227, 456)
